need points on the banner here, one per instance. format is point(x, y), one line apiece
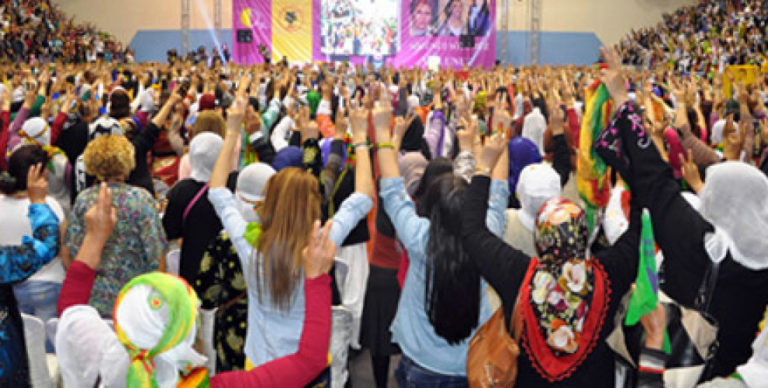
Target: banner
point(399, 32)
point(746, 74)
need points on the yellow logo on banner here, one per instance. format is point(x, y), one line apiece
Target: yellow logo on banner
point(291, 17)
point(245, 17)
point(292, 30)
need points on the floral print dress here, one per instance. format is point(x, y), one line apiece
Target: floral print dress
point(134, 247)
point(220, 283)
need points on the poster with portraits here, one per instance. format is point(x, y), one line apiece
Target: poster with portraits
point(456, 33)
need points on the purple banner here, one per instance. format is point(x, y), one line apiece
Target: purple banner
point(452, 33)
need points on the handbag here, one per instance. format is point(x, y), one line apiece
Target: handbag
point(692, 334)
point(492, 355)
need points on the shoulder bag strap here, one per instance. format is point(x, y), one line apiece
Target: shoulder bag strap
point(193, 202)
point(516, 321)
point(707, 288)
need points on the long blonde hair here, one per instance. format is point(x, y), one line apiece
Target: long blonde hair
point(291, 206)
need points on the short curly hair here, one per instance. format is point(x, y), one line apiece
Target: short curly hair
point(109, 156)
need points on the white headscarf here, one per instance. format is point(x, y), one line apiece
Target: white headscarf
point(534, 126)
point(251, 187)
point(104, 125)
point(537, 184)
point(147, 101)
point(203, 151)
point(87, 347)
point(37, 129)
point(413, 102)
point(735, 200)
point(144, 326)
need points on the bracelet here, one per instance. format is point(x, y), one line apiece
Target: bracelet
point(361, 144)
point(385, 145)
point(483, 170)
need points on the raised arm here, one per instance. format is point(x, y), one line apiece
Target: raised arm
point(562, 154)
point(14, 138)
point(500, 264)
point(20, 262)
point(222, 199)
point(678, 228)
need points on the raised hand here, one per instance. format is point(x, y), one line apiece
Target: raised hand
point(341, 125)
point(37, 183)
point(691, 172)
point(101, 218)
point(613, 77)
point(466, 132)
point(733, 140)
point(382, 114)
point(401, 127)
point(492, 150)
point(318, 255)
point(236, 113)
point(501, 119)
point(358, 118)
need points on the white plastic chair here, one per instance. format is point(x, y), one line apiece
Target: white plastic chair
point(173, 261)
point(207, 323)
point(50, 329)
point(352, 277)
point(341, 332)
point(43, 367)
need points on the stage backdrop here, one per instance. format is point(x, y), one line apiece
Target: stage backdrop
point(400, 32)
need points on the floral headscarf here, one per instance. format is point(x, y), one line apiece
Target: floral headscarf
point(561, 287)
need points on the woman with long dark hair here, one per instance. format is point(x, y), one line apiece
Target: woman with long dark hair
point(443, 299)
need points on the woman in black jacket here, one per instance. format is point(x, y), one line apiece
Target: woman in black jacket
point(730, 228)
point(565, 299)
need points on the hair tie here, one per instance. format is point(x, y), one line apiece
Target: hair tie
point(5, 177)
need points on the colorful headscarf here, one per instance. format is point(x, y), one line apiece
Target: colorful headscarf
point(522, 153)
point(562, 283)
point(155, 318)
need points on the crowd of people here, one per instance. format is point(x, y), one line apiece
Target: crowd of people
point(309, 210)
point(38, 31)
point(702, 38)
